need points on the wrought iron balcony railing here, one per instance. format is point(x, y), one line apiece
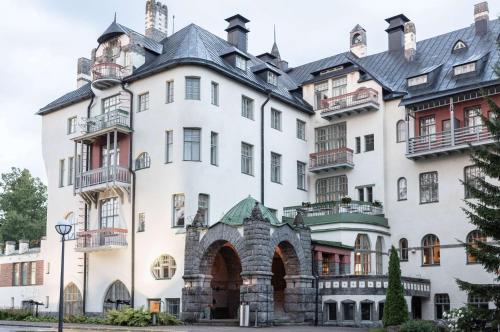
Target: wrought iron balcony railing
point(101, 239)
point(334, 207)
point(106, 120)
point(331, 159)
point(102, 176)
point(107, 70)
point(361, 100)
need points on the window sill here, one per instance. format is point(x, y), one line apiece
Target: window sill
point(276, 182)
point(423, 203)
point(247, 174)
point(430, 265)
point(402, 199)
point(197, 161)
point(302, 189)
point(169, 102)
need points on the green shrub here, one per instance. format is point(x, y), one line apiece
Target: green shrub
point(167, 319)
point(419, 326)
point(14, 314)
point(41, 318)
point(128, 317)
point(380, 329)
point(395, 308)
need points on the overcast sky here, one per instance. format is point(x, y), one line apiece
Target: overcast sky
point(42, 39)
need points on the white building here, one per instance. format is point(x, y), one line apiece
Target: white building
point(162, 127)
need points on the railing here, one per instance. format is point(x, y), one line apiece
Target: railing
point(109, 119)
point(333, 207)
point(446, 139)
point(102, 175)
point(341, 156)
point(107, 70)
point(348, 100)
point(104, 237)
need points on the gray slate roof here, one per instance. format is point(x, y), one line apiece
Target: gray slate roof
point(73, 97)
point(117, 29)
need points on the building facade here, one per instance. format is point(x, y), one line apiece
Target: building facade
point(194, 172)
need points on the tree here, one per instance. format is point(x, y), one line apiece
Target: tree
point(395, 308)
point(484, 210)
point(23, 206)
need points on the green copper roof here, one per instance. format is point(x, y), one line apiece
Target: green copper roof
point(334, 244)
point(243, 210)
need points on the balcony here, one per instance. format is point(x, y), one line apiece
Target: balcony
point(359, 101)
point(331, 160)
point(102, 178)
point(447, 142)
point(116, 119)
point(101, 239)
point(106, 75)
point(338, 212)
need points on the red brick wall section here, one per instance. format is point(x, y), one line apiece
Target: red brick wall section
point(6, 275)
point(39, 272)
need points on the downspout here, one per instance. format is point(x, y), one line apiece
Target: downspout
point(262, 180)
point(316, 286)
point(132, 172)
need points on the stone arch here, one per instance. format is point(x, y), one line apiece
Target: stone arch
point(289, 243)
point(73, 303)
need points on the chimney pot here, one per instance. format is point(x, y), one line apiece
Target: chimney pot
point(410, 41)
point(24, 246)
point(481, 17)
point(237, 32)
point(10, 247)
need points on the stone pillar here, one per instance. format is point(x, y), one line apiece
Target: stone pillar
point(300, 298)
point(196, 297)
point(258, 292)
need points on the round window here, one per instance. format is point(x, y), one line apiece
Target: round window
point(163, 267)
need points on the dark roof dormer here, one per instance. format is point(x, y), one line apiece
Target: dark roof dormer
point(266, 57)
point(423, 78)
point(235, 57)
point(459, 46)
point(470, 67)
point(267, 73)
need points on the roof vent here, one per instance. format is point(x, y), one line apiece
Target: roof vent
point(237, 32)
point(395, 32)
point(481, 18)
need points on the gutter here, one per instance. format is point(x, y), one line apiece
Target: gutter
point(130, 160)
point(262, 131)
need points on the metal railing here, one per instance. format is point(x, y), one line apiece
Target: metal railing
point(109, 119)
point(330, 158)
point(444, 139)
point(348, 100)
point(102, 175)
point(107, 70)
point(333, 207)
point(103, 237)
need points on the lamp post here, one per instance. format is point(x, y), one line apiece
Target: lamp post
point(63, 228)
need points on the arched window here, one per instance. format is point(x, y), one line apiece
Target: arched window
point(402, 189)
point(459, 45)
point(442, 304)
point(431, 250)
point(116, 297)
point(400, 131)
point(357, 39)
point(163, 267)
point(73, 303)
point(472, 239)
point(71, 220)
point(379, 249)
point(403, 249)
point(143, 161)
point(362, 254)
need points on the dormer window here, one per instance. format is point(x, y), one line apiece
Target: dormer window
point(464, 69)
point(272, 78)
point(330, 70)
point(241, 63)
point(459, 45)
point(417, 80)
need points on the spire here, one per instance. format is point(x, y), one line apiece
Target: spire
point(275, 51)
point(114, 20)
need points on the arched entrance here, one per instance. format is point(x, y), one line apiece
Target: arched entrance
point(116, 297)
point(223, 264)
point(73, 304)
point(285, 265)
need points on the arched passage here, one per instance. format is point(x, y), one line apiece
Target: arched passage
point(117, 296)
point(285, 264)
point(73, 304)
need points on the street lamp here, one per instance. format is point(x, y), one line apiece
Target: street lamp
point(63, 228)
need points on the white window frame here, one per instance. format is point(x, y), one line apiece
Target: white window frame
point(143, 101)
point(204, 205)
point(464, 68)
point(178, 210)
point(301, 175)
point(214, 87)
point(276, 119)
point(272, 78)
point(275, 167)
point(247, 107)
point(247, 158)
point(214, 148)
point(192, 147)
point(417, 80)
point(240, 62)
point(301, 129)
point(193, 88)
point(72, 123)
point(170, 91)
point(169, 146)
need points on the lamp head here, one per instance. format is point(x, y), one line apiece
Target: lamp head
point(63, 227)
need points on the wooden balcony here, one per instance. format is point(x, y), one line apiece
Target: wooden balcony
point(101, 239)
point(106, 75)
point(447, 142)
point(359, 101)
point(103, 178)
point(97, 125)
point(331, 160)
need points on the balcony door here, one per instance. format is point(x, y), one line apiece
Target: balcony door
point(428, 128)
point(331, 137)
point(473, 119)
point(109, 214)
point(111, 153)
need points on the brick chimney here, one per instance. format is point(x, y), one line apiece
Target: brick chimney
point(481, 17)
point(10, 248)
point(395, 32)
point(237, 32)
point(24, 246)
point(83, 72)
point(156, 20)
point(410, 41)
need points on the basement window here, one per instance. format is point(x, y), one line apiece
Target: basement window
point(464, 69)
point(417, 80)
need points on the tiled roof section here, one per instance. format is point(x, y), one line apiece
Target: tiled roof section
point(243, 210)
point(304, 73)
point(73, 97)
point(117, 29)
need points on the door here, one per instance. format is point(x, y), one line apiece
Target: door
point(416, 307)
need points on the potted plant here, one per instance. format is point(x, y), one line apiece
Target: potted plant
point(306, 204)
point(346, 200)
point(377, 204)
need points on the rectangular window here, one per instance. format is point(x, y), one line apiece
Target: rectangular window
point(215, 93)
point(339, 86)
point(429, 187)
point(358, 144)
point(369, 194)
point(241, 62)
point(272, 78)
point(24, 273)
point(105, 156)
point(110, 104)
point(321, 93)
point(472, 177)
point(246, 158)
point(331, 189)
point(169, 146)
point(141, 227)
point(214, 148)
point(173, 306)
point(301, 175)
point(62, 171)
point(71, 170)
point(143, 102)
point(332, 311)
point(33, 273)
point(366, 311)
point(247, 107)
point(275, 119)
point(72, 125)
point(380, 310)
point(348, 311)
point(301, 129)
point(464, 69)
point(331, 137)
point(275, 167)
point(170, 92)
point(428, 127)
point(203, 206)
point(442, 304)
point(369, 142)
point(473, 119)
point(16, 274)
point(109, 213)
point(192, 139)
point(178, 210)
point(193, 88)
point(417, 80)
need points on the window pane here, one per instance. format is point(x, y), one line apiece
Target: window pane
point(178, 210)
point(402, 189)
point(143, 102)
point(428, 187)
point(301, 129)
point(275, 167)
point(215, 93)
point(214, 148)
point(331, 137)
point(193, 88)
point(246, 158)
point(348, 311)
point(247, 107)
point(169, 138)
point(331, 189)
point(301, 175)
point(275, 119)
point(170, 91)
point(203, 206)
point(192, 144)
point(369, 142)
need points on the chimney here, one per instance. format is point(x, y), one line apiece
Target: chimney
point(395, 32)
point(481, 17)
point(10, 247)
point(83, 72)
point(156, 20)
point(237, 32)
point(410, 41)
point(358, 41)
point(24, 246)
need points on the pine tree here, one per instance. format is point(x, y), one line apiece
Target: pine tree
point(395, 308)
point(484, 211)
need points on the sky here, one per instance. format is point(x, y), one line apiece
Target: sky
point(41, 41)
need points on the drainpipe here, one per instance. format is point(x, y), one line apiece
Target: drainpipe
point(316, 284)
point(132, 172)
point(268, 92)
